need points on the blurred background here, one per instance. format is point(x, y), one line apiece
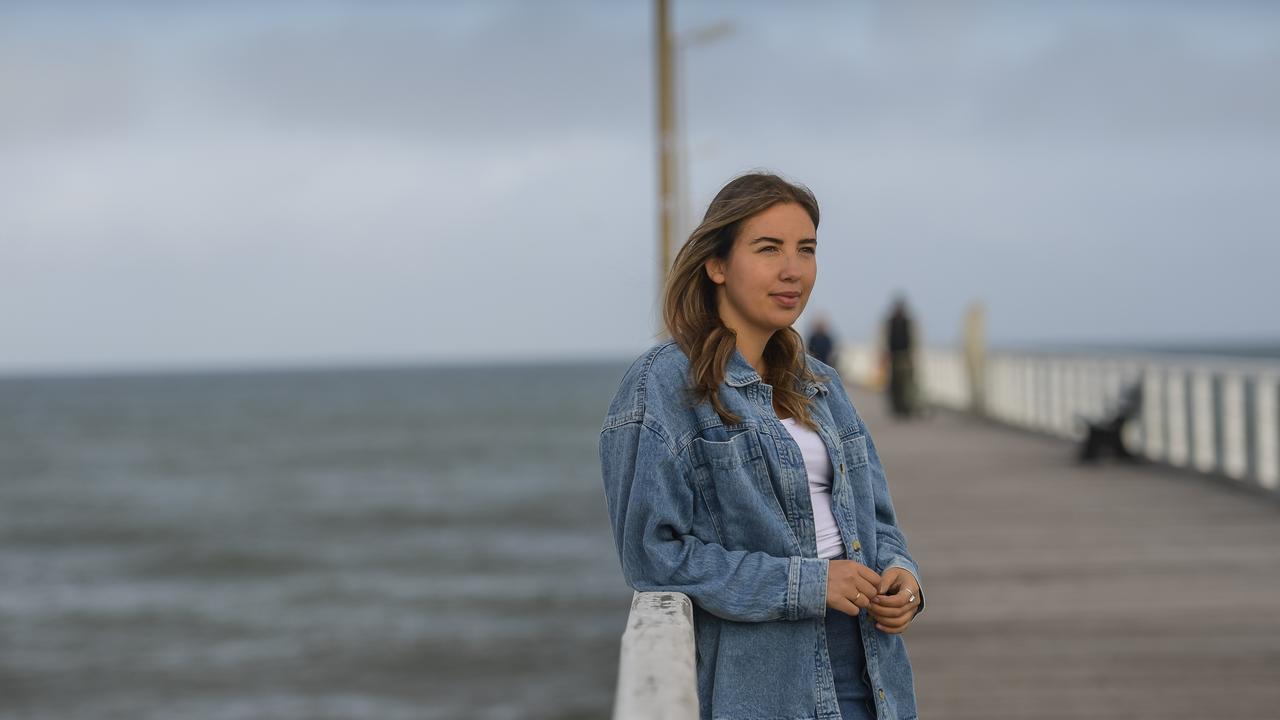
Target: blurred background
point(310, 311)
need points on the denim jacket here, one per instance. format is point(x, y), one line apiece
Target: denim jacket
point(722, 514)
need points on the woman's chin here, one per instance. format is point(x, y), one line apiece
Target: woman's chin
point(788, 317)
point(783, 321)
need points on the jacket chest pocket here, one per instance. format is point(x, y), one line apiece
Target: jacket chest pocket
point(734, 481)
point(854, 449)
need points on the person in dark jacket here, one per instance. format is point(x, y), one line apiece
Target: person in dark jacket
point(899, 344)
point(821, 345)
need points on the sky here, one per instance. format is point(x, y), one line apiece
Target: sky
point(193, 185)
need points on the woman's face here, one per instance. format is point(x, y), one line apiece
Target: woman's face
point(765, 283)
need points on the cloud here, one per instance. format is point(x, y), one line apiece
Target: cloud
point(187, 182)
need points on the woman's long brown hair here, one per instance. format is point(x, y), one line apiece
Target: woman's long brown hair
point(689, 306)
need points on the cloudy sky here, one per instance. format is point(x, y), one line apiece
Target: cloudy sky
point(239, 184)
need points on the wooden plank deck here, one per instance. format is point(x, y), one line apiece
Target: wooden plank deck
point(1057, 591)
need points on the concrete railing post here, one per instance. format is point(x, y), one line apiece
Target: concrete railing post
point(657, 673)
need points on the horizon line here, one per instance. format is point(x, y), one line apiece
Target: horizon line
point(1206, 346)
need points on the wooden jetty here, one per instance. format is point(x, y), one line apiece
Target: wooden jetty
point(1059, 591)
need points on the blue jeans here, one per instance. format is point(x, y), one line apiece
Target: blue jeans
point(849, 666)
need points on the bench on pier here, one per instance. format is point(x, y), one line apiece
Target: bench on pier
point(1106, 434)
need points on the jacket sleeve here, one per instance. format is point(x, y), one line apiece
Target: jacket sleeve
point(651, 501)
point(891, 544)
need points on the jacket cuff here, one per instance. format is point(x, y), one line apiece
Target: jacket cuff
point(807, 588)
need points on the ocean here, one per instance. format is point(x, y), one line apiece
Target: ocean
point(394, 543)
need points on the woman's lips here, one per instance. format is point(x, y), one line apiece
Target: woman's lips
point(787, 300)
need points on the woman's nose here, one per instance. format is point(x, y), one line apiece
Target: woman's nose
point(790, 268)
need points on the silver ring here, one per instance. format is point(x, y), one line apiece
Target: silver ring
point(911, 599)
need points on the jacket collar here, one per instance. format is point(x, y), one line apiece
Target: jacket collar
point(740, 373)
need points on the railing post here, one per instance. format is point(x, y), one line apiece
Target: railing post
point(1179, 450)
point(1234, 448)
point(1265, 422)
point(657, 673)
point(1203, 453)
point(1153, 414)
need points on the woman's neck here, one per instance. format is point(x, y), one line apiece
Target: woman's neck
point(751, 345)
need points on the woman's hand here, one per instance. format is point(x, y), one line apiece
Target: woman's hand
point(850, 586)
point(895, 605)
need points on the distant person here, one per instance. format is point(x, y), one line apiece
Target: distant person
point(821, 345)
point(899, 344)
point(719, 480)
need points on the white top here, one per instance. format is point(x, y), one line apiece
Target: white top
point(818, 467)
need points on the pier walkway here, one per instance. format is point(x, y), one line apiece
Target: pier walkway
point(1062, 591)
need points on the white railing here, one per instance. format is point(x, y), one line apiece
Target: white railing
point(1211, 414)
point(657, 673)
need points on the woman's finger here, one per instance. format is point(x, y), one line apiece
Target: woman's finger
point(847, 607)
point(902, 598)
point(885, 611)
point(868, 592)
point(897, 623)
point(859, 597)
point(870, 575)
point(895, 579)
point(890, 630)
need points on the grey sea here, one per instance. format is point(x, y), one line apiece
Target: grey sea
point(394, 543)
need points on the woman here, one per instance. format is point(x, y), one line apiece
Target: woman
point(737, 471)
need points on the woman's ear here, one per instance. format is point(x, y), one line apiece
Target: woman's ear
point(715, 269)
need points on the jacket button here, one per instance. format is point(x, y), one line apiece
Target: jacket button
point(882, 693)
point(857, 545)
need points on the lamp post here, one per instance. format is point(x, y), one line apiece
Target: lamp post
point(667, 206)
point(671, 199)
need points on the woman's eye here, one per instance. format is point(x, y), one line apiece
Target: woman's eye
point(769, 248)
point(810, 250)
